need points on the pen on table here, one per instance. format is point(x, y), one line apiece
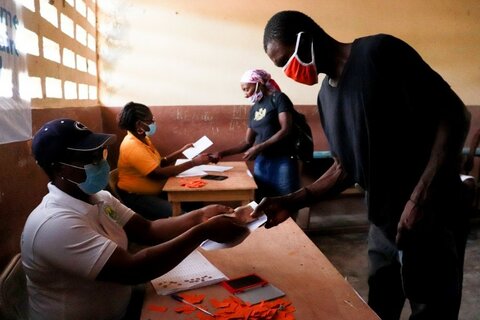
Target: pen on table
point(178, 298)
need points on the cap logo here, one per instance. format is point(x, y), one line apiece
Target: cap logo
point(80, 126)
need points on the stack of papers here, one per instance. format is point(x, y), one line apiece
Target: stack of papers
point(195, 271)
point(200, 170)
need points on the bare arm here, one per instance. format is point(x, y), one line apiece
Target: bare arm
point(176, 237)
point(170, 171)
point(278, 209)
point(449, 140)
point(239, 148)
point(285, 120)
point(170, 159)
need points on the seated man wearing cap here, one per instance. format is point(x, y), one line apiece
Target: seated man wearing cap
point(74, 244)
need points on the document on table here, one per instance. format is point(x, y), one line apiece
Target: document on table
point(200, 170)
point(252, 226)
point(195, 271)
point(214, 168)
point(198, 146)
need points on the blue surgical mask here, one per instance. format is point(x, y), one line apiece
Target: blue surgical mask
point(153, 129)
point(97, 177)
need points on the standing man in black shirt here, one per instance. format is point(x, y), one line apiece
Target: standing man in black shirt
point(396, 128)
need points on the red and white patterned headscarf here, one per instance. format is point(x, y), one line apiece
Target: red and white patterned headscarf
point(260, 76)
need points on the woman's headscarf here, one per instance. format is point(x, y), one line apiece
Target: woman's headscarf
point(260, 76)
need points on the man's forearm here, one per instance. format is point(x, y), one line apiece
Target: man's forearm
point(332, 182)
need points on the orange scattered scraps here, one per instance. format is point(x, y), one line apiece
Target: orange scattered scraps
point(157, 308)
point(192, 298)
point(192, 183)
point(185, 308)
point(233, 308)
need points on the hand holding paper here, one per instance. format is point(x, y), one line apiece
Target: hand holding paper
point(243, 215)
point(198, 146)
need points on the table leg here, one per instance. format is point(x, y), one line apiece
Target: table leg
point(176, 208)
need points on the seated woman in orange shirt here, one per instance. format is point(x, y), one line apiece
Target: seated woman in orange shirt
point(142, 172)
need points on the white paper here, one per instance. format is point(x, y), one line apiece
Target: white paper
point(252, 226)
point(214, 168)
point(195, 271)
point(200, 170)
point(464, 177)
point(192, 172)
point(198, 146)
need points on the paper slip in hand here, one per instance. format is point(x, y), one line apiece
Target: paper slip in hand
point(252, 226)
point(198, 146)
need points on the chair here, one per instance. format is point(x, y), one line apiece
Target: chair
point(13, 291)
point(112, 183)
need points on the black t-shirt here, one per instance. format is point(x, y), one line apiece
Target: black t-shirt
point(381, 121)
point(263, 120)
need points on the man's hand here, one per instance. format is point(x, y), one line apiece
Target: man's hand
point(276, 209)
point(412, 213)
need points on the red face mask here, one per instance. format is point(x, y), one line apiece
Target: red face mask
point(299, 71)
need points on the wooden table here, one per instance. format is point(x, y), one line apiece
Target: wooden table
point(287, 258)
point(239, 186)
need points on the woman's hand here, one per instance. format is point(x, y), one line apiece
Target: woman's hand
point(201, 159)
point(243, 214)
point(185, 147)
point(213, 210)
point(224, 228)
point(251, 153)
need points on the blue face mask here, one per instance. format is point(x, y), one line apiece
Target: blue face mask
point(153, 128)
point(97, 177)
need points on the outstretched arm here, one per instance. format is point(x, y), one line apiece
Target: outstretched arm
point(172, 240)
point(242, 146)
point(169, 171)
point(170, 159)
point(278, 209)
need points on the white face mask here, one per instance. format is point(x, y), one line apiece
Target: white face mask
point(257, 96)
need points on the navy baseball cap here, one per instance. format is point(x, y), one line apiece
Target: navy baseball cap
point(57, 136)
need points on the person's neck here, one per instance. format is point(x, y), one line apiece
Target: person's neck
point(142, 137)
point(341, 54)
point(71, 189)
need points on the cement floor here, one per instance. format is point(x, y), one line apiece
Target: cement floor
point(339, 229)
